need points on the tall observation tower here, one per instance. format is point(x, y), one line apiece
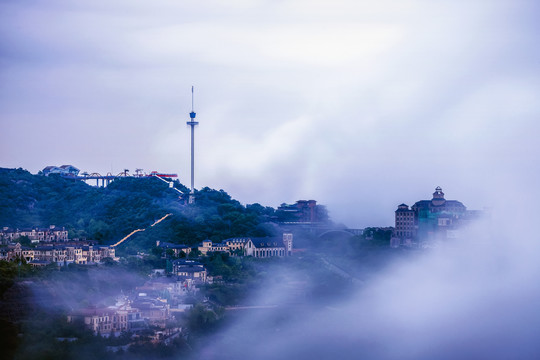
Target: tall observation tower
point(192, 123)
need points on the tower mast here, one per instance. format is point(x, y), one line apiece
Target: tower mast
point(192, 124)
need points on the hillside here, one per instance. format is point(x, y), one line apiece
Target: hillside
point(108, 214)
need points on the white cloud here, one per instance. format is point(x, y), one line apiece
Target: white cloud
point(335, 101)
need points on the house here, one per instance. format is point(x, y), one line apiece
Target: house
point(99, 320)
point(205, 247)
point(114, 319)
point(152, 310)
point(189, 269)
point(177, 249)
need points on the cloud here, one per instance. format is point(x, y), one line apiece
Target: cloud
point(472, 298)
point(394, 95)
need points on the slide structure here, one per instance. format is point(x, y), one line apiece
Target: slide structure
point(138, 230)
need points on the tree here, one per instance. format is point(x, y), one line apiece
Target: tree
point(24, 240)
point(200, 320)
point(108, 261)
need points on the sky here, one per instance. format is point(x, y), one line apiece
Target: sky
point(360, 105)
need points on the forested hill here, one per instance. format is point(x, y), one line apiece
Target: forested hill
point(108, 214)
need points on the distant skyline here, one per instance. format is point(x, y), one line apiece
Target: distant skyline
point(360, 105)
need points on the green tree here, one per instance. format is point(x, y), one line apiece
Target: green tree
point(24, 240)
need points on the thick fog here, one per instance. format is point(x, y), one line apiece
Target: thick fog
point(360, 105)
point(472, 298)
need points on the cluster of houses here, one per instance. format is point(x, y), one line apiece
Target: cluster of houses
point(73, 253)
point(156, 302)
point(128, 314)
point(113, 319)
point(152, 305)
point(54, 246)
point(36, 234)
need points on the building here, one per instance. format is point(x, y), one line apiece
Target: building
point(269, 247)
point(113, 319)
point(248, 246)
point(427, 220)
point(176, 249)
point(64, 170)
point(405, 223)
point(189, 269)
point(302, 212)
point(50, 234)
point(59, 254)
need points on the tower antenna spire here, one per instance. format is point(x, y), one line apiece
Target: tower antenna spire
point(192, 124)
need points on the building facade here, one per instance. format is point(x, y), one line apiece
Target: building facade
point(428, 220)
point(50, 234)
point(64, 170)
point(59, 254)
point(248, 246)
point(302, 212)
point(189, 269)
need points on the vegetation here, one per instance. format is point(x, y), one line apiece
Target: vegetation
point(108, 214)
point(49, 336)
point(322, 275)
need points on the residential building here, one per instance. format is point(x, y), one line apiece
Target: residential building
point(59, 254)
point(114, 319)
point(50, 234)
point(177, 249)
point(189, 269)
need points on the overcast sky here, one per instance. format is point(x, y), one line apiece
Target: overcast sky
point(360, 105)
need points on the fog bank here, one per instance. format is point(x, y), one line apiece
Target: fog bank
point(476, 297)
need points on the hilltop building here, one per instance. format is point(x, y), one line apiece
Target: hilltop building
point(302, 212)
point(64, 170)
point(426, 220)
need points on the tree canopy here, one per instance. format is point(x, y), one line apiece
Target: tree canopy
point(107, 214)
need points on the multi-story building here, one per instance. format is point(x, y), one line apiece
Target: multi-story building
point(189, 269)
point(428, 220)
point(405, 223)
point(303, 212)
point(114, 319)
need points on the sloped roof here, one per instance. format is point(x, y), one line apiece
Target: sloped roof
point(268, 242)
